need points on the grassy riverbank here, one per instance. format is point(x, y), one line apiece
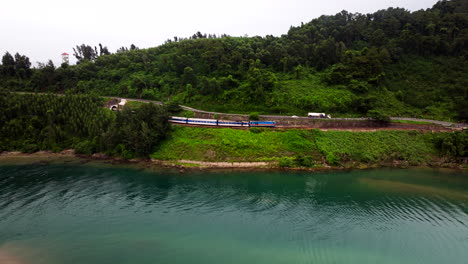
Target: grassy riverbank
point(310, 148)
point(208, 144)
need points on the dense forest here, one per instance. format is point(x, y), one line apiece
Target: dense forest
point(393, 61)
point(48, 122)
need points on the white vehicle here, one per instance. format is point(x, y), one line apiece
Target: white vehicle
point(318, 115)
point(123, 102)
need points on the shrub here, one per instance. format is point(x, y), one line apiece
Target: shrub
point(286, 162)
point(29, 148)
point(85, 147)
point(332, 159)
point(149, 94)
point(173, 108)
point(304, 161)
point(254, 116)
point(452, 144)
point(187, 113)
point(378, 116)
point(122, 152)
point(256, 130)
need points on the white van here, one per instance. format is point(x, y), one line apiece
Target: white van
point(318, 115)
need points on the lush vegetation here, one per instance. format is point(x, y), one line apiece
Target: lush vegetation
point(234, 145)
point(309, 148)
point(414, 147)
point(31, 122)
point(392, 61)
point(343, 146)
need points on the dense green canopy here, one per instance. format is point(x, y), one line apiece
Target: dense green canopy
point(32, 122)
point(394, 61)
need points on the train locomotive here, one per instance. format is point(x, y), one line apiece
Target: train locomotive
point(216, 122)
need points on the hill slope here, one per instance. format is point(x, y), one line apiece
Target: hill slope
point(394, 61)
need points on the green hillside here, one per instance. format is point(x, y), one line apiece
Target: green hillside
point(393, 61)
point(310, 148)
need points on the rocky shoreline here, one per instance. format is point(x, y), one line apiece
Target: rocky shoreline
point(68, 156)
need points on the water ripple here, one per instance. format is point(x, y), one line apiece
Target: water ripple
point(91, 214)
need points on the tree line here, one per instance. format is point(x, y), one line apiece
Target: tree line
point(32, 122)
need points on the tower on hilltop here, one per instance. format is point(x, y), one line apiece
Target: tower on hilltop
point(65, 57)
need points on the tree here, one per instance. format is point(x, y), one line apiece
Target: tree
point(379, 116)
point(103, 50)
point(298, 72)
point(8, 63)
point(377, 38)
point(173, 108)
point(122, 49)
point(259, 82)
point(22, 66)
point(189, 77)
point(45, 77)
point(328, 52)
point(140, 81)
point(139, 130)
point(85, 52)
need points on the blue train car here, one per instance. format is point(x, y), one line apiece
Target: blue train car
point(262, 123)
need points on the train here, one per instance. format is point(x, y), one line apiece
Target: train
point(216, 122)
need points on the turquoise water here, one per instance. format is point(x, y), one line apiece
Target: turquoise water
point(90, 214)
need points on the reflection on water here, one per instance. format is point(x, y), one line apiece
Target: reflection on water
point(412, 188)
point(84, 214)
point(12, 253)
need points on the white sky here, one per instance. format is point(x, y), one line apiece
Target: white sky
point(43, 29)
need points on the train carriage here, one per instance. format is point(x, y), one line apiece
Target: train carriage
point(232, 123)
point(176, 119)
point(204, 122)
point(262, 123)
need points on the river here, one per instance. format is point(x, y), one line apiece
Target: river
point(72, 213)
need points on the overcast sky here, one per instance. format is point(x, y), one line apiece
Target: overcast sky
point(44, 29)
